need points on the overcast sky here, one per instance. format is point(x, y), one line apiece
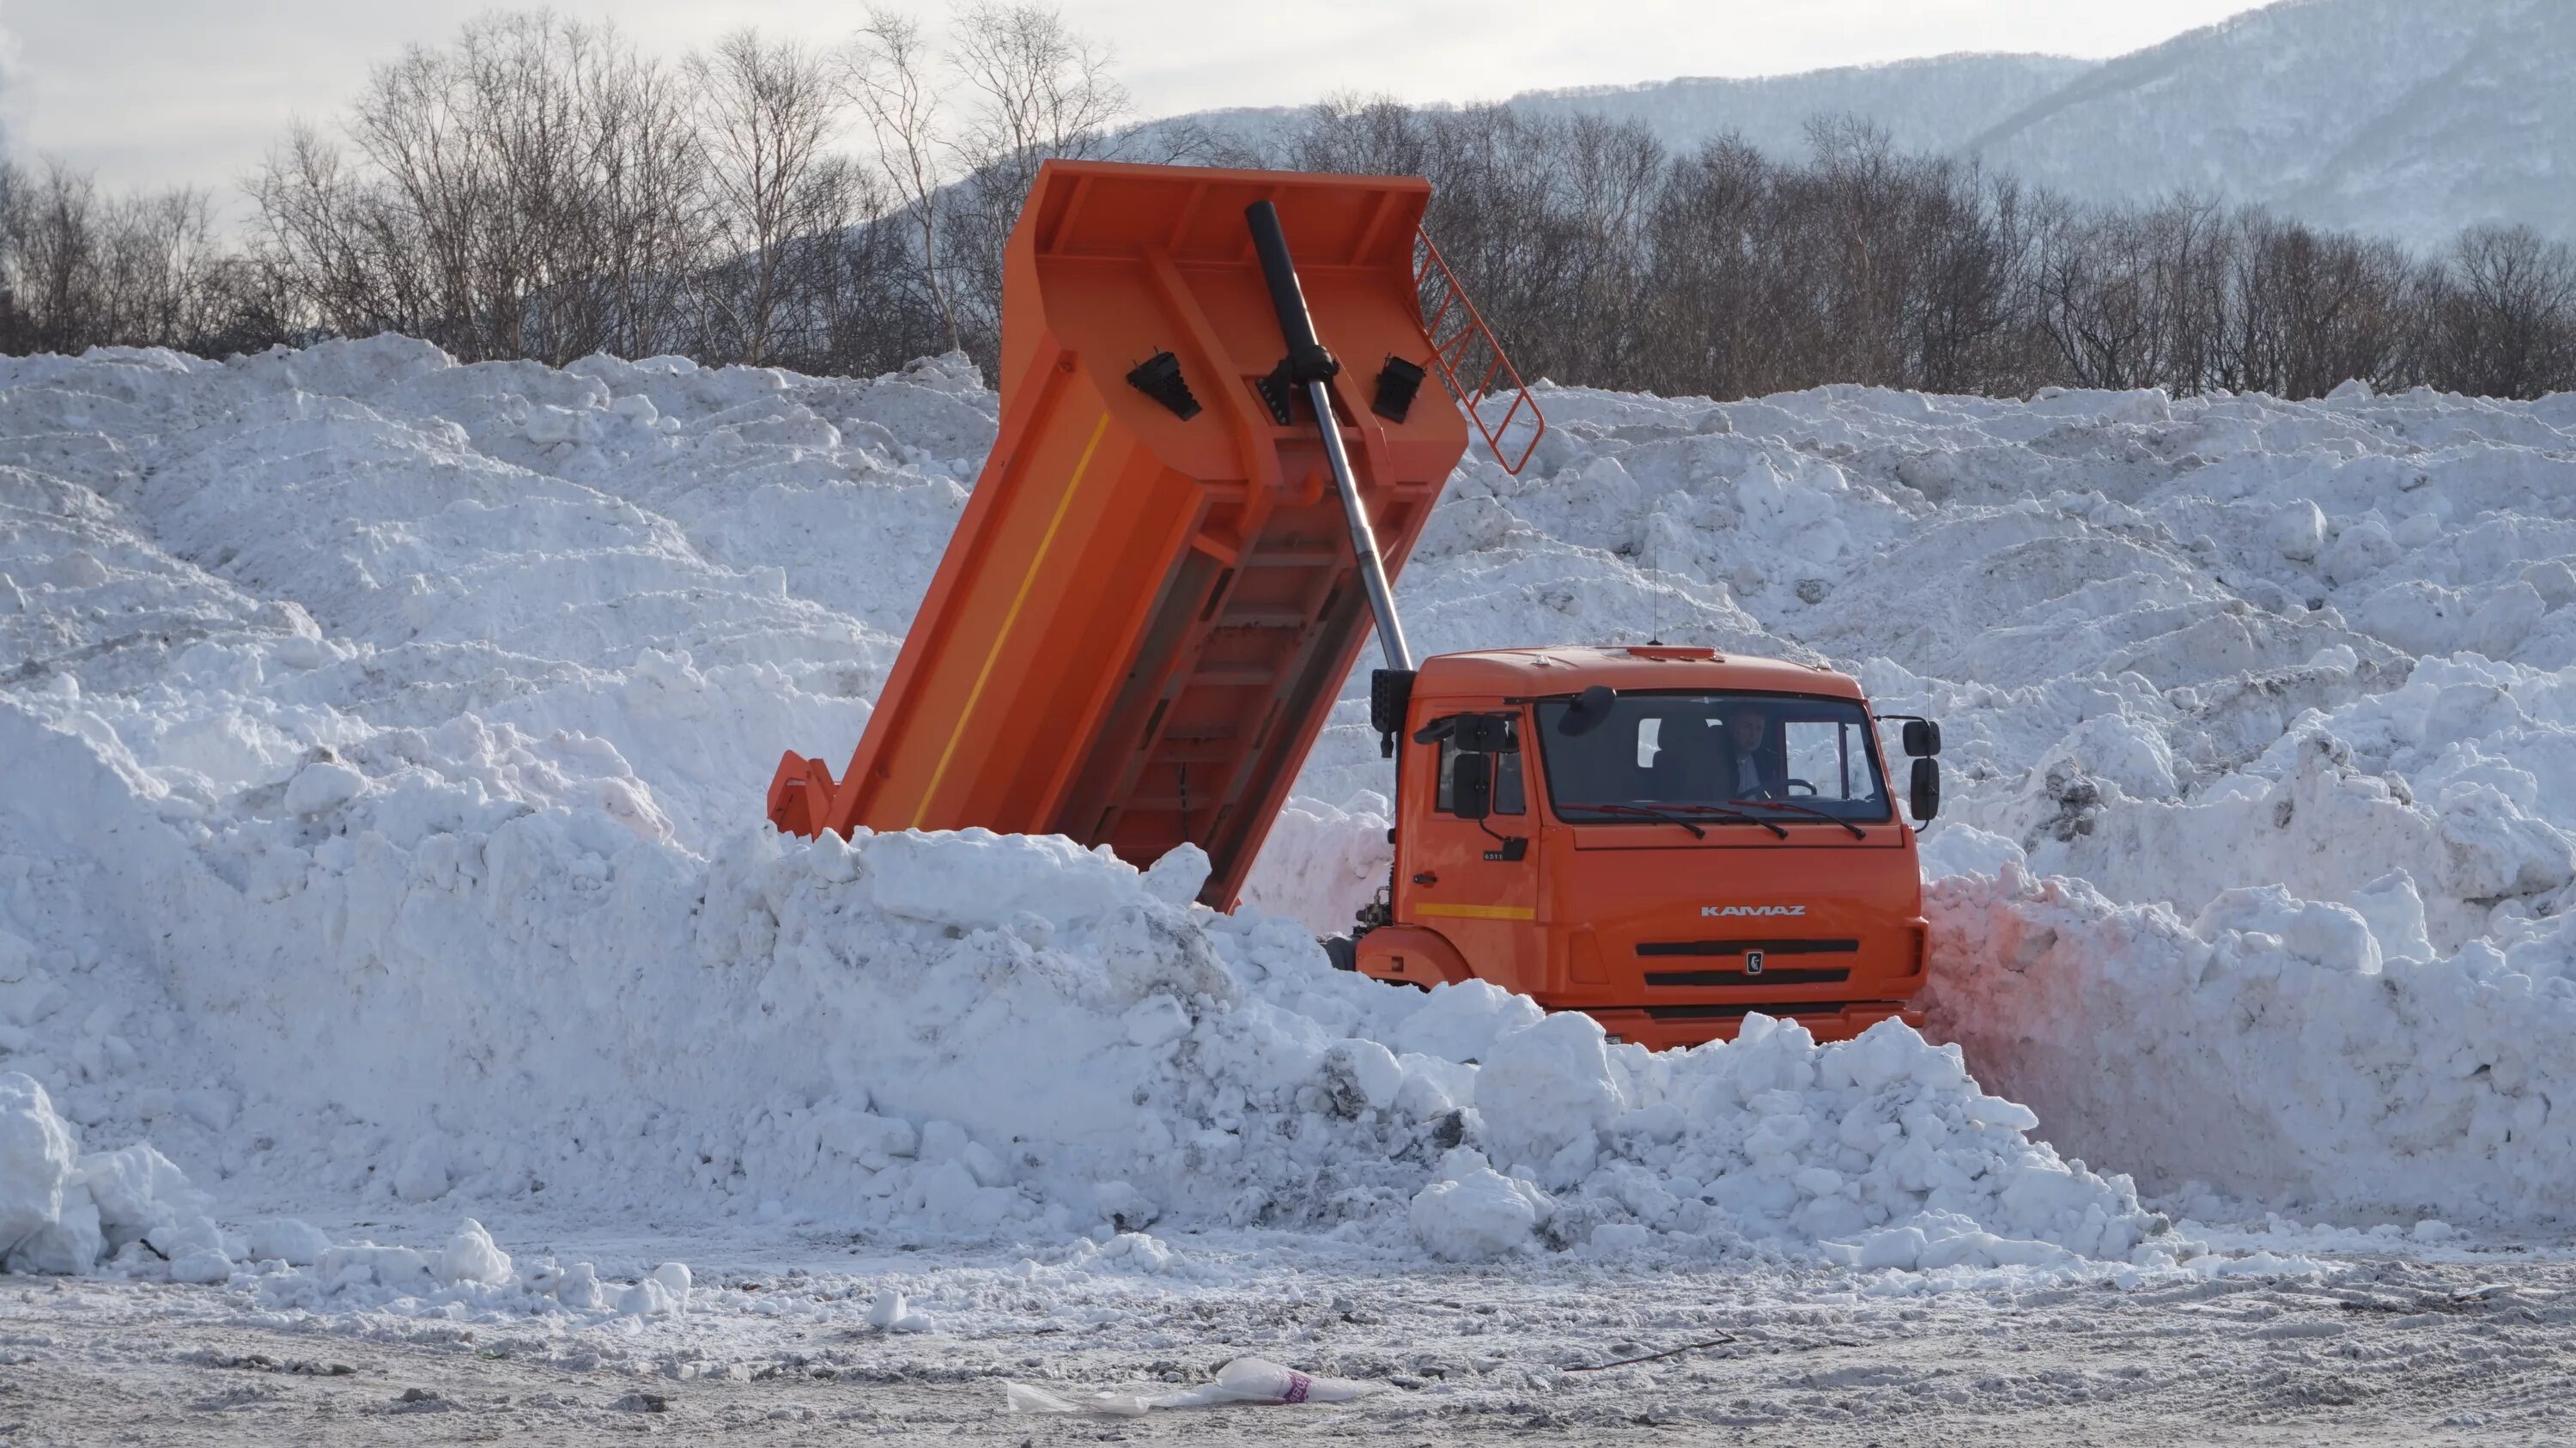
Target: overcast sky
point(152, 92)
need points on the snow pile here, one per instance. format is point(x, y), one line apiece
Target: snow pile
point(2179, 649)
point(387, 737)
point(62, 1211)
point(1858, 1145)
point(2270, 1044)
point(470, 1272)
point(133, 1212)
point(455, 819)
point(946, 1034)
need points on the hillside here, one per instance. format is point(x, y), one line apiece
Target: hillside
point(2390, 117)
point(1935, 104)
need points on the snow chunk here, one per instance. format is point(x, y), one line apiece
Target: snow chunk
point(1544, 1092)
point(285, 1239)
point(1461, 1021)
point(676, 1281)
point(471, 1257)
point(1178, 876)
point(63, 1213)
point(322, 786)
point(2298, 531)
point(36, 1161)
point(202, 1265)
point(892, 1312)
point(1477, 1217)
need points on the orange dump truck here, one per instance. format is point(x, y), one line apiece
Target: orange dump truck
point(1215, 449)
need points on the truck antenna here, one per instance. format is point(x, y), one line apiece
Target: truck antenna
point(1654, 592)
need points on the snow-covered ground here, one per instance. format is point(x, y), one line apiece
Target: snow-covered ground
point(384, 744)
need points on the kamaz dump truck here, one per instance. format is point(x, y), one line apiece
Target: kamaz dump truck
point(1216, 448)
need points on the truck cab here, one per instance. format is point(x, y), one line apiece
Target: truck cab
point(1664, 837)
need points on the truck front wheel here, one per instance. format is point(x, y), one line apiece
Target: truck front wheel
point(1342, 951)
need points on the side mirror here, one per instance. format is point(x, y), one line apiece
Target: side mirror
point(1471, 786)
point(1487, 734)
point(1589, 711)
point(1927, 789)
point(1923, 740)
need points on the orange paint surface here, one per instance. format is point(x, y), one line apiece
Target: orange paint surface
point(1613, 918)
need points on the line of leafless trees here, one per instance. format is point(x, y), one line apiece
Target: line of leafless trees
point(80, 269)
point(540, 188)
point(1605, 259)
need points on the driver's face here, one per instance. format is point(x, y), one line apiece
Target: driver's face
point(1746, 727)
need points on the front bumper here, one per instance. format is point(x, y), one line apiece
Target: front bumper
point(1660, 1028)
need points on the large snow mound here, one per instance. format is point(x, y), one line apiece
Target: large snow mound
point(2287, 687)
point(386, 738)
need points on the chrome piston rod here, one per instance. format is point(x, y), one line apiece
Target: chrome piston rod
point(1311, 367)
point(1381, 597)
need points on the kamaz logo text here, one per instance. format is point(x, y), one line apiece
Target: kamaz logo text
point(1711, 912)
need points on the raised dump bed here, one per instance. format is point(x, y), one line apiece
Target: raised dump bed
point(1152, 598)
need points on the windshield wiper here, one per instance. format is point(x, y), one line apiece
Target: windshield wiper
point(1631, 809)
point(1722, 813)
point(1856, 831)
point(1671, 812)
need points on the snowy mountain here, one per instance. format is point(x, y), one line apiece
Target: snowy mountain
point(2400, 118)
point(1939, 104)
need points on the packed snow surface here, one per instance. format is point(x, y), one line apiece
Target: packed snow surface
point(386, 740)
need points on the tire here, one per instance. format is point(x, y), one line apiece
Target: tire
point(1342, 951)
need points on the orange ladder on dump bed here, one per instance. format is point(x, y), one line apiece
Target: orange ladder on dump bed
point(1152, 598)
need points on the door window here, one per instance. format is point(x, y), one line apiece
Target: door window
point(1510, 796)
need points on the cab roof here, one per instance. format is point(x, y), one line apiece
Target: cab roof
point(1567, 668)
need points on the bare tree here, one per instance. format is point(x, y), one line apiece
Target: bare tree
point(646, 216)
point(1040, 88)
point(1357, 135)
point(351, 256)
point(1703, 238)
point(2501, 317)
point(534, 189)
point(55, 251)
point(1035, 90)
point(81, 269)
point(886, 69)
point(767, 112)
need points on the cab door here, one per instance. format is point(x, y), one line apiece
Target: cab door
point(1475, 882)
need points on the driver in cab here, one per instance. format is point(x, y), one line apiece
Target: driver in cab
point(1744, 768)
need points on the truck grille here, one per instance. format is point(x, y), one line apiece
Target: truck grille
point(1731, 1012)
point(1738, 947)
point(1669, 979)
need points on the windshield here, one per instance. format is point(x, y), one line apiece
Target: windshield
point(1777, 757)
